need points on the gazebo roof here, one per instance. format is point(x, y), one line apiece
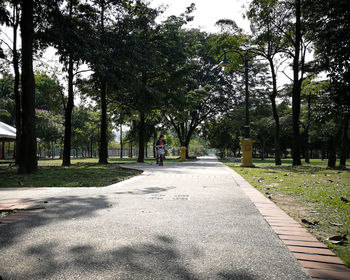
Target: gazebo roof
point(7, 132)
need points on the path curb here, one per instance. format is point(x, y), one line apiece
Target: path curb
point(314, 256)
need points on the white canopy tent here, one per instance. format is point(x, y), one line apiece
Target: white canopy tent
point(7, 132)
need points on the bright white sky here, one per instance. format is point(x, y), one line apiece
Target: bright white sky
point(208, 12)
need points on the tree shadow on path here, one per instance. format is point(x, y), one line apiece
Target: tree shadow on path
point(159, 259)
point(56, 209)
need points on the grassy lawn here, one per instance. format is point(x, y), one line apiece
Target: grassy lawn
point(310, 192)
point(51, 174)
point(84, 172)
point(58, 162)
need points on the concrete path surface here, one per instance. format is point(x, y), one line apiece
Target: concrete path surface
point(179, 221)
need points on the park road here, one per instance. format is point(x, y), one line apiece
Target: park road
point(179, 221)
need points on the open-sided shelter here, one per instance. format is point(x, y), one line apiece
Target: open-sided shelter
point(7, 134)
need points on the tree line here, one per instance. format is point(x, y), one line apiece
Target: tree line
point(315, 105)
point(162, 75)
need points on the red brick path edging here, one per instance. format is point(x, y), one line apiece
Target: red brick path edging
point(25, 210)
point(314, 256)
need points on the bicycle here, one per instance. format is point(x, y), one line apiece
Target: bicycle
point(160, 154)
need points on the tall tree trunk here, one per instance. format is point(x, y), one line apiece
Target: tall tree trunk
point(332, 153)
point(277, 132)
point(141, 156)
point(344, 142)
point(28, 162)
point(188, 140)
point(296, 87)
point(16, 84)
point(307, 134)
point(130, 149)
point(307, 146)
point(154, 143)
point(275, 114)
point(2, 150)
point(103, 154)
point(121, 141)
point(263, 150)
point(323, 152)
point(68, 115)
point(332, 148)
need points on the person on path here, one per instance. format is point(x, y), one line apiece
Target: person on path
point(160, 144)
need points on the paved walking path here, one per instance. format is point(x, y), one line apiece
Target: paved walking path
point(182, 221)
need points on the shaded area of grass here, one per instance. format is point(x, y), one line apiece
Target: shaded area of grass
point(58, 162)
point(310, 192)
point(84, 172)
point(77, 175)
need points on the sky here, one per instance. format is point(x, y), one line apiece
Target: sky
point(208, 12)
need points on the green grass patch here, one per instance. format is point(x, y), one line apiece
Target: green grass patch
point(58, 162)
point(83, 172)
point(310, 192)
point(51, 174)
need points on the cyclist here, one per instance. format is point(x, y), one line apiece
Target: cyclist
point(160, 144)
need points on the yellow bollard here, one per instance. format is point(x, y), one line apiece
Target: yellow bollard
point(247, 149)
point(183, 154)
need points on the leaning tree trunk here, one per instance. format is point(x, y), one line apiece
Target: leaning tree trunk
point(68, 115)
point(28, 162)
point(296, 87)
point(103, 155)
point(141, 156)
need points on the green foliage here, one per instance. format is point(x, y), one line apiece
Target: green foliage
point(85, 129)
point(168, 76)
point(330, 24)
point(67, 27)
point(198, 147)
point(48, 93)
point(49, 126)
point(7, 103)
point(222, 135)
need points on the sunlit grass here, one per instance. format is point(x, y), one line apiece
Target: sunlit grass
point(310, 191)
point(77, 175)
point(83, 172)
